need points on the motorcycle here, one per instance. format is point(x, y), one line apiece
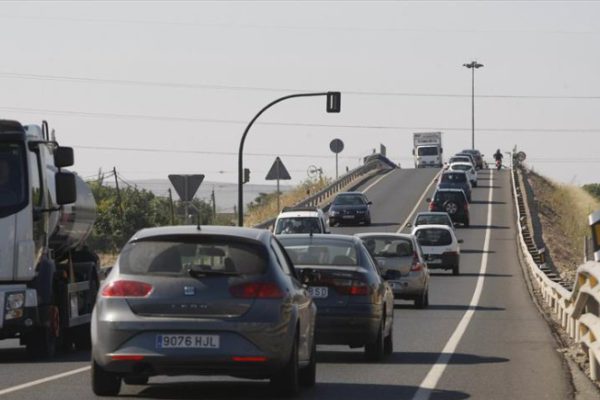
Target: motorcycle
point(498, 164)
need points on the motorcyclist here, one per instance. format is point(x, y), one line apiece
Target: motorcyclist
point(498, 155)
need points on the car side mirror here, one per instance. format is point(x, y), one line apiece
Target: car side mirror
point(369, 203)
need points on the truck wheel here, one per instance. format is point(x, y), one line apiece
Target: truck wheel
point(104, 383)
point(44, 341)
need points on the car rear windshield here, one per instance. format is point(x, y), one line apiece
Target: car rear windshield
point(460, 159)
point(460, 167)
point(389, 247)
point(427, 151)
point(433, 237)
point(432, 220)
point(298, 225)
point(443, 196)
point(320, 251)
point(460, 177)
point(174, 256)
point(349, 200)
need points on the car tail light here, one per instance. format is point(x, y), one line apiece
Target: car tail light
point(127, 357)
point(416, 265)
point(256, 290)
point(249, 359)
point(352, 287)
point(127, 289)
point(432, 206)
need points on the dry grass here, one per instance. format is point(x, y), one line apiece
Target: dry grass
point(563, 211)
point(289, 198)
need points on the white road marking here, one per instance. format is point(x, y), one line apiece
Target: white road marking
point(419, 202)
point(43, 380)
point(428, 384)
point(376, 181)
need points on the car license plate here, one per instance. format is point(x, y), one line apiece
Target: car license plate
point(399, 285)
point(348, 216)
point(187, 342)
point(318, 292)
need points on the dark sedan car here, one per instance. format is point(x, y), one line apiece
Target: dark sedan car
point(208, 300)
point(456, 180)
point(355, 305)
point(350, 208)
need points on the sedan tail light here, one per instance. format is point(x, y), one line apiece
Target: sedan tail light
point(352, 287)
point(127, 289)
point(416, 265)
point(432, 206)
point(257, 290)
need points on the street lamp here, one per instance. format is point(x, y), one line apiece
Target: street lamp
point(473, 65)
point(333, 106)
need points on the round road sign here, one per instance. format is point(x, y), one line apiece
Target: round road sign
point(336, 145)
point(521, 156)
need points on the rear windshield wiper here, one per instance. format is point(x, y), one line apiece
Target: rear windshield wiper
point(199, 271)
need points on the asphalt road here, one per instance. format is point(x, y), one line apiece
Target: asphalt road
point(481, 337)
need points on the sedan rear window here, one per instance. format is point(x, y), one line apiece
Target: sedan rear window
point(433, 237)
point(461, 168)
point(320, 252)
point(432, 220)
point(454, 177)
point(174, 257)
point(389, 247)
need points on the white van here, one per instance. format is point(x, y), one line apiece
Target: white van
point(301, 220)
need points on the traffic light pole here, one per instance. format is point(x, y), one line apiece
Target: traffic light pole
point(241, 151)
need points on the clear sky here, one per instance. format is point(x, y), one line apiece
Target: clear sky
point(183, 79)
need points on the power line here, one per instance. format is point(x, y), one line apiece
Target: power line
point(291, 124)
point(180, 85)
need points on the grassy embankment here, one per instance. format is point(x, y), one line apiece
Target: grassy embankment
point(268, 209)
point(563, 211)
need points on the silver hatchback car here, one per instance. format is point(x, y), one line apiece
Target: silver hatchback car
point(208, 300)
point(402, 264)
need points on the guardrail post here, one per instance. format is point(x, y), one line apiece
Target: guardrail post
point(593, 365)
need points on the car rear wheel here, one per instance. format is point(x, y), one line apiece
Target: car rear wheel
point(308, 374)
point(286, 382)
point(374, 351)
point(388, 343)
point(104, 383)
point(136, 380)
point(423, 300)
point(450, 207)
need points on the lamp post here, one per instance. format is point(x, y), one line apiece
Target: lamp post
point(333, 106)
point(473, 65)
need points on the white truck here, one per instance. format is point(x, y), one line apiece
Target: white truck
point(427, 149)
point(48, 278)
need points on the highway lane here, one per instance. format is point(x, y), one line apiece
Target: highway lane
point(506, 352)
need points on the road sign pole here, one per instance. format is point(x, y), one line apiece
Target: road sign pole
point(333, 106)
point(336, 165)
point(278, 197)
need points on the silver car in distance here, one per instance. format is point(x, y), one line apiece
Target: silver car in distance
point(208, 300)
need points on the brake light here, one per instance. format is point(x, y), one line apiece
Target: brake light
point(127, 357)
point(416, 265)
point(249, 359)
point(352, 287)
point(256, 290)
point(126, 289)
point(432, 206)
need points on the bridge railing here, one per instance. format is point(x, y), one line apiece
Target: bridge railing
point(575, 306)
point(374, 164)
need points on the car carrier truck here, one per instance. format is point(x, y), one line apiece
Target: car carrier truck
point(48, 278)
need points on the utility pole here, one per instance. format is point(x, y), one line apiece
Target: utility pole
point(214, 204)
point(118, 191)
point(172, 207)
point(473, 65)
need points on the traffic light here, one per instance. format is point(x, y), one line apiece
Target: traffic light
point(246, 175)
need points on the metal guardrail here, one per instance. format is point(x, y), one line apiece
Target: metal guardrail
point(374, 165)
point(575, 306)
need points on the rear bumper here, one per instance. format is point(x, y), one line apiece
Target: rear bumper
point(356, 219)
point(444, 262)
point(407, 288)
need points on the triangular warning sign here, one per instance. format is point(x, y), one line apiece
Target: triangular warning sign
point(186, 185)
point(278, 171)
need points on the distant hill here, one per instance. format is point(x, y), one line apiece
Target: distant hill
point(225, 193)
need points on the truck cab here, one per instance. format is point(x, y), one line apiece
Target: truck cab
point(427, 150)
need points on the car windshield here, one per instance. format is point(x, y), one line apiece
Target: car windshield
point(427, 151)
point(389, 247)
point(454, 178)
point(349, 200)
point(432, 219)
point(297, 225)
point(311, 251)
point(12, 176)
point(175, 255)
point(433, 237)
